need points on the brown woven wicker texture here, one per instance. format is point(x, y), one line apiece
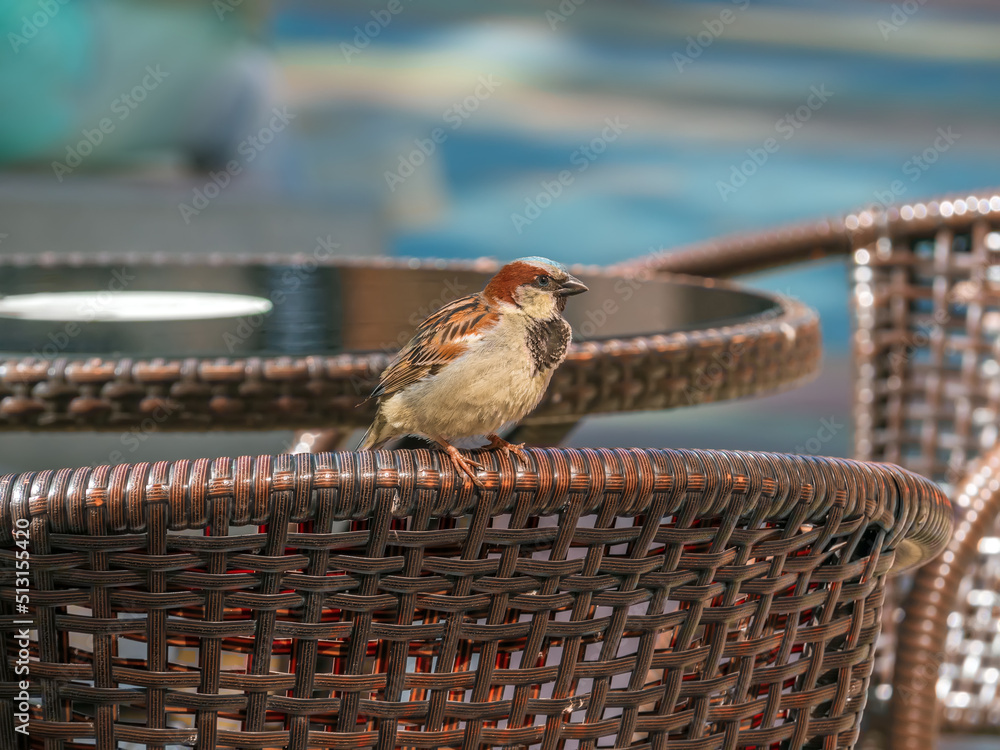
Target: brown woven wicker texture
point(927, 308)
point(777, 346)
point(926, 299)
point(947, 640)
point(598, 598)
point(926, 294)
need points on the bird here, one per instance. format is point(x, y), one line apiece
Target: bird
point(479, 363)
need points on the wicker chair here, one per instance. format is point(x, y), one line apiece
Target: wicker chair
point(596, 598)
point(926, 304)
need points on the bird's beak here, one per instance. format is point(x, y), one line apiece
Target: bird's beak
point(571, 286)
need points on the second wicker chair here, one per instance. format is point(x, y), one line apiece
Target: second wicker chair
point(926, 302)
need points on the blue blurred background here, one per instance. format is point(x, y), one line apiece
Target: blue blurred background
point(430, 128)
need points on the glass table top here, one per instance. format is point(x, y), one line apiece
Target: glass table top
point(298, 308)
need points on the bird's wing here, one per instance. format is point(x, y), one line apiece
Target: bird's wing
point(443, 337)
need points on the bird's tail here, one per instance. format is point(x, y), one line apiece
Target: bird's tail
point(374, 439)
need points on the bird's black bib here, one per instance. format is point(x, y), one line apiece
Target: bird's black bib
point(547, 342)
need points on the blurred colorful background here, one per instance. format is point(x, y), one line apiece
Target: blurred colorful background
point(437, 129)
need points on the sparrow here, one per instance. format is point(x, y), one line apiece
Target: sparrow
point(479, 363)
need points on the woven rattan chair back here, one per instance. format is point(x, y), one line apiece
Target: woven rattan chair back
point(926, 301)
point(596, 598)
point(926, 298)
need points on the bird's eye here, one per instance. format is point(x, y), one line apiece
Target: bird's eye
point(543, 280)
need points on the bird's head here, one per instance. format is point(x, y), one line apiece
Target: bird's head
point(538, 287)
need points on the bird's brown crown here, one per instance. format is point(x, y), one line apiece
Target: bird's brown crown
point(502, 286)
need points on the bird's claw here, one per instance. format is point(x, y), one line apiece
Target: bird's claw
point(465, 465)
point(498, 443)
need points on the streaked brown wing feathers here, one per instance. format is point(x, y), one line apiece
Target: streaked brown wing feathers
point(441, 338)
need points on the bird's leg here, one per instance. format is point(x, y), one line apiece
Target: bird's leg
point(498, 443)
point(463, 464)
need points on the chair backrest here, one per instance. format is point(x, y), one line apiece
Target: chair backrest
point(925, 283)
point(635, 598)
point(926, 303)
